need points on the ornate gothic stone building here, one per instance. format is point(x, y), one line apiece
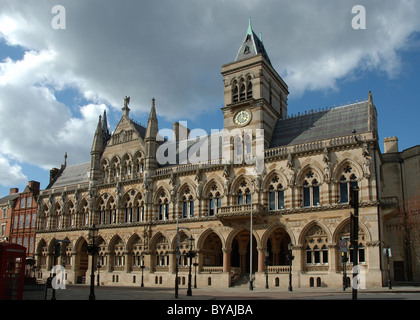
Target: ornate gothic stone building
point(299, 195)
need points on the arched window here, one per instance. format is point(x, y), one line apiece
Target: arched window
point(163, 207)
point(242, 92)
point(310, 191)
point(215, 201)
point(244, 194)
point(348, 181)
point(314, 239)
point(249, 89)
point(235, 92)
point(275, 195)
point(187, 205)
point(139, 210)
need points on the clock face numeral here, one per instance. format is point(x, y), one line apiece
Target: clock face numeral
point(242, 118)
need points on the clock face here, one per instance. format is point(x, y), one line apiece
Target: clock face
point(242, 118)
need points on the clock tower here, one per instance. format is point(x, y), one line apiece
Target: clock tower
point(255, 96)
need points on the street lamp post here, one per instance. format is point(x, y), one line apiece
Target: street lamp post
point(266, 268)
point(98, 266)
point(92, 250)
point(251, 286)
point(195, 271)
point(387, 252)
point(142, 268)
point(290, 257)
point(190, 254)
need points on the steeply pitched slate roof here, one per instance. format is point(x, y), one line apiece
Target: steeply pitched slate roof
point(73, 175)
point(251, 46)
point(6, 199)
point(326, 124)
point(140, 129)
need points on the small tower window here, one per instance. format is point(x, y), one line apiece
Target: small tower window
point(249, 89)
point(235, 92)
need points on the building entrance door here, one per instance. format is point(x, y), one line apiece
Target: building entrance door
point(399, 271)
point(240, 254)
point(81, 263)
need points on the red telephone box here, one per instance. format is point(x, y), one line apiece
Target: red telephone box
point(12, 271)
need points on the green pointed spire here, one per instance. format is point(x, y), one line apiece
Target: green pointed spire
point(252, 45)
point(249, 27)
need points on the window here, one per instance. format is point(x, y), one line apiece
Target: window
point(235, 92)
point(187, 205)
point(129, 214)
point(244, 194)
point(249, 89)
point(347, 181)
point(163, 207)
point(140, 212)
point(242, 92)
point(361, 253)
point(215, 201)
point(275, 195)
point(316, 247)
point(33, 220)
point(311, 196)
point(22, 203)
point(27, 221)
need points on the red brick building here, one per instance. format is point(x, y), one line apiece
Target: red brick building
point(23, 218)
point(7, 203)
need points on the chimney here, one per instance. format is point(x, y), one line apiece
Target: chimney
point(14, 190)
point(53, 173)
point(34, 186)
point(391, 145)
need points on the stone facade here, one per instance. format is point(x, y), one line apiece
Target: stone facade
point(147, 210)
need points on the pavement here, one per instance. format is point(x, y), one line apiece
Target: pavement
point(82, 292)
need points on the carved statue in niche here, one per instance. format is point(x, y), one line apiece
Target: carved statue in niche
point(292, 170)
point(367, 161)
point(228, 180)
point(327, 168)
point(199, 187)
point(118, 193)
point(173, 184)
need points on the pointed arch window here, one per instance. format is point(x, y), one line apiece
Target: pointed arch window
point(249, 89)
point(187, 205)
point(316, 248)
point(347, 181)
point(244, 194)
point(242, 92)
point(214, 203)
point(276, 196)
point(235, 92)
point(311, 196)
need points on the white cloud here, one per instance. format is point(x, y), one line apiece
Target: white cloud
point(10, 174)
point(172, 51)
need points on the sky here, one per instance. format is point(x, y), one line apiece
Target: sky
point(62, 63)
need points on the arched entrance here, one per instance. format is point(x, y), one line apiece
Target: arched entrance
point(81, 261)
point(240, 254)
point(211, 251)
point(277, 247)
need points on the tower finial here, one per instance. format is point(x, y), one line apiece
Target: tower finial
point(126, 109)
point(249, 26)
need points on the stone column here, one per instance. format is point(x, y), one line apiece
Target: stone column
point(261, 259)
point(226, 260)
